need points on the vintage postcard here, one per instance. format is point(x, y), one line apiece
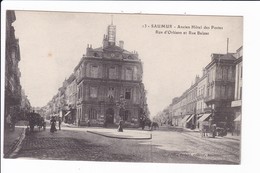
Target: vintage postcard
point(122, 87)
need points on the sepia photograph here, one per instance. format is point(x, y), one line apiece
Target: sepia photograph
point(123, 87)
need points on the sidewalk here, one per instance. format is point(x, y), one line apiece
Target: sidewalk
point(196, 132)
point(11, 139)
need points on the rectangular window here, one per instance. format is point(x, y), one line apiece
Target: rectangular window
point(135, 76)
point(129, 74)
point(92, 114)
point(112, 73)
point(225, 73)
point(111, 92)
point(223, 90)
point(93, 92)
point(79, 93)
point(128, 94)
point(94, 71)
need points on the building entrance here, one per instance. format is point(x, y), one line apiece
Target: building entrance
point(110, 116)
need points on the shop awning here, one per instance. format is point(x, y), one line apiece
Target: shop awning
point(67, 114)
point(238, 118)
point(190, 118)
point(204, 117)
point(199, 115)
point(185, 118)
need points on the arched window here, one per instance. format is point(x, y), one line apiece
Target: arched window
point(92, 114)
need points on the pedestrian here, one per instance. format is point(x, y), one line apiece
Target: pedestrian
point(59, 123)
point(53, 124)
point(31, 121)
point(120, 127)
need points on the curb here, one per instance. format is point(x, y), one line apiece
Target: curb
point(16, 146)
point(117, 137)
point(231, 138)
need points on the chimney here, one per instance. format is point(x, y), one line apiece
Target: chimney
point(121, 44)
point(89, 48)
point(197, 78)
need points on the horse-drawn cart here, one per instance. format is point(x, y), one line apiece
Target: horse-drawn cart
point(36, 119)
point(208, 130)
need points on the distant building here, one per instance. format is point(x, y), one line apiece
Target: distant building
point(109, 84)
point(70, 100)
point(212, 95)
point(25, 105)
point(12, 73)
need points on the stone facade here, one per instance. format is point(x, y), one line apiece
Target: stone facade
point(109, 85)
point(221, 86)
point(13, 96)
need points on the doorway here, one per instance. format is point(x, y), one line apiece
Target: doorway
point(110, 116)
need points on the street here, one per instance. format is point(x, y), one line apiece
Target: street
point(166, 146)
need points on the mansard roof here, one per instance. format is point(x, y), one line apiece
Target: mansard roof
point(116, 49)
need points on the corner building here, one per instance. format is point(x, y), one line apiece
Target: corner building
point(220, 87)
point(107, 77)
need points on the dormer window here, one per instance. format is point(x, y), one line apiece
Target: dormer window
point(96, 54)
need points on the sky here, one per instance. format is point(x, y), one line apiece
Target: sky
point(52, 44)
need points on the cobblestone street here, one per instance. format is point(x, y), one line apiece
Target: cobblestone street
point(166, 145)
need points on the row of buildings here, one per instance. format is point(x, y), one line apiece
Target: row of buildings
point(105, 87)
point(17, 105)
point(215, 96)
